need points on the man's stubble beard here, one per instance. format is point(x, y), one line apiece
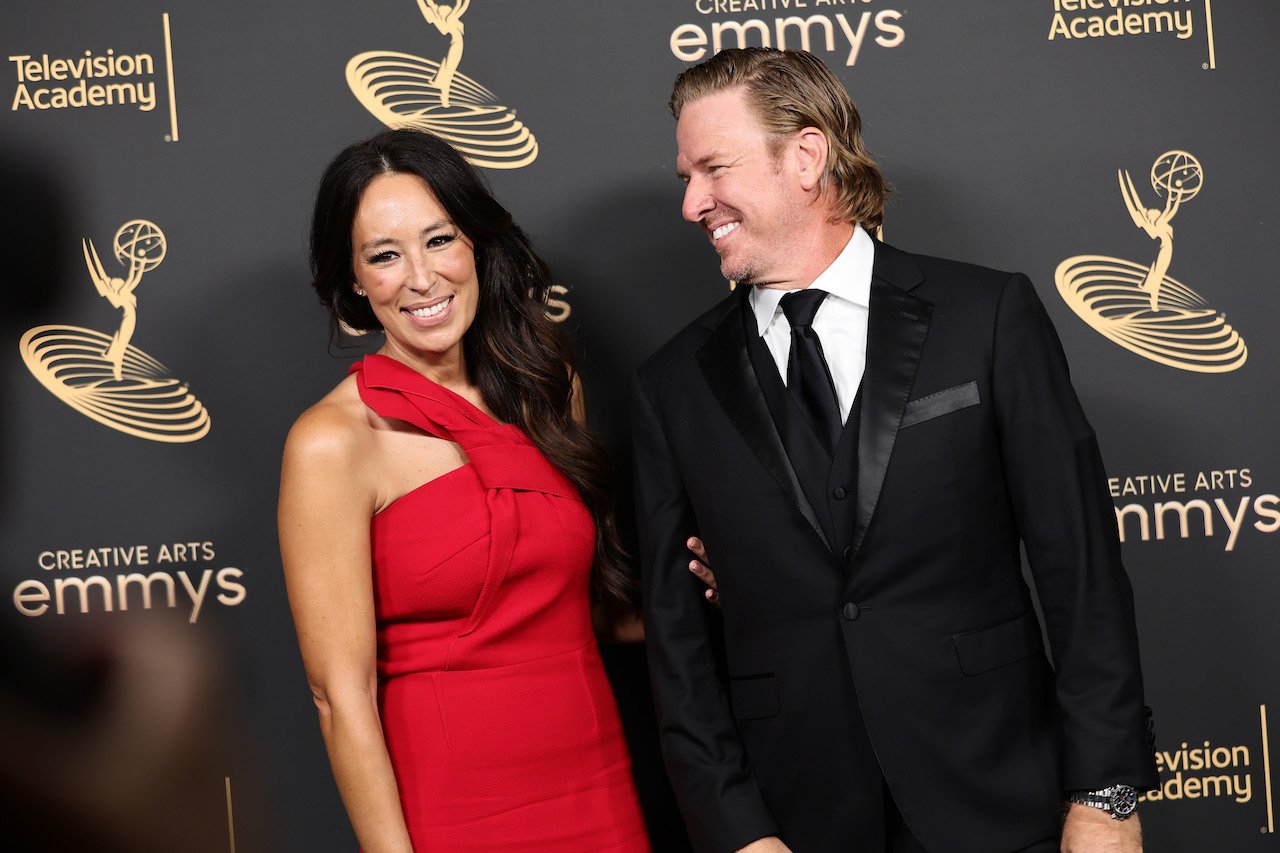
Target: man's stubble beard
point(743, 274)
point(743, 270)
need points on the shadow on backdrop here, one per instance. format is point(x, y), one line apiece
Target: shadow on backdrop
point(112, 732)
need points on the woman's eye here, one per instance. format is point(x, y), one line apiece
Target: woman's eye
point(440, 240)
point(382, 257)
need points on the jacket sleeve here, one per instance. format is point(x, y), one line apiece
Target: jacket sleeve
point(1053, 470)
point(722, 805)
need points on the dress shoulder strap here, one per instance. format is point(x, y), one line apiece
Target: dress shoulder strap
point(501, 454)
point(395, 390)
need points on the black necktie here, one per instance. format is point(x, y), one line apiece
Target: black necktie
point(808, 377)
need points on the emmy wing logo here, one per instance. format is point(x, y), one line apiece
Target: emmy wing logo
point(402, 90)
point(1140, 306)
point(103, 376)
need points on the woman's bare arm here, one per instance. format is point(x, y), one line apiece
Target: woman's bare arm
point(326, 501)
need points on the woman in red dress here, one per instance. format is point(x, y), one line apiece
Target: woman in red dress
point(445, 525)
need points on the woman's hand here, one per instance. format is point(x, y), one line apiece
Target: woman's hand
point(701, 568)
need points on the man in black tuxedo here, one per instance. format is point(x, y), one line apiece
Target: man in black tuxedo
point(862, 437)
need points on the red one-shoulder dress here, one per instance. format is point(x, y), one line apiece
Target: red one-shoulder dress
point(501, 726)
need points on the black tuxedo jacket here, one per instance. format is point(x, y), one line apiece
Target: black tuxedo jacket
point(971, 442)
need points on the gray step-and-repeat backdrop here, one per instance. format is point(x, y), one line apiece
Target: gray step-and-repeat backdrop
point(158, 163)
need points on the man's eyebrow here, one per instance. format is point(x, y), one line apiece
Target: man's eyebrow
point(683, 174)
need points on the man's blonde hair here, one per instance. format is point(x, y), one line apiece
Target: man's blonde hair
point(790, 90)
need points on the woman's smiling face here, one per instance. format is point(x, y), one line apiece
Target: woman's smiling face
point(416, 268)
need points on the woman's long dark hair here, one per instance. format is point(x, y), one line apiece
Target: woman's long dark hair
point(521, 361)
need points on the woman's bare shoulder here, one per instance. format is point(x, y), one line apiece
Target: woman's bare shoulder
point(335, 429)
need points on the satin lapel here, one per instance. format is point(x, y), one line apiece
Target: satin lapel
point(727, 369)
point(897, 324)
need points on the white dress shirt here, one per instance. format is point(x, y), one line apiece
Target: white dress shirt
point(841, 321)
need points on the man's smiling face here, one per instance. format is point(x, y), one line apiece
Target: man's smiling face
point(740, 188)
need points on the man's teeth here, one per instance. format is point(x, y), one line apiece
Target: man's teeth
point(723, 230)
point(431, 310)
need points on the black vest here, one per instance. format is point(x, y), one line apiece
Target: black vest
point(829, 484)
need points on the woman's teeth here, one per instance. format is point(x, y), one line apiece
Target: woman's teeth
point(431, 310)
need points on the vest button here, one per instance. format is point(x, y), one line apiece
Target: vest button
point(850, 611)
point(839, 493)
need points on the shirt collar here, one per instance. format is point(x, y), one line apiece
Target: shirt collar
point(848, 278)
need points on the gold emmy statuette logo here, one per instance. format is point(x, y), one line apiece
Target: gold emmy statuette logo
point(106, 378)
point(402, 90)
point(1141, 307)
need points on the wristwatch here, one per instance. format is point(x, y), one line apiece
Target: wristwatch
point(1119, 801)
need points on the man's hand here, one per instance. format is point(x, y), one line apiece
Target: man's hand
point(701, 567)
point(1089, 830)
point(772, 844)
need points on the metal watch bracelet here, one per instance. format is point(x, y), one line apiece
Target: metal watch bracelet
point(1119, 801)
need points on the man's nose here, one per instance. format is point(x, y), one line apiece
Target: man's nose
point(697, 201)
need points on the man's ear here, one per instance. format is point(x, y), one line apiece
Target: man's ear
point(811, 156)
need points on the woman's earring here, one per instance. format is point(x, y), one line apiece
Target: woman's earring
point(359, 292)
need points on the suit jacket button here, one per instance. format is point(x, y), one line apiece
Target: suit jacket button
point(839, 493)
point(850, 611)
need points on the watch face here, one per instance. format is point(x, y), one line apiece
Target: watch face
point(1124, 799)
